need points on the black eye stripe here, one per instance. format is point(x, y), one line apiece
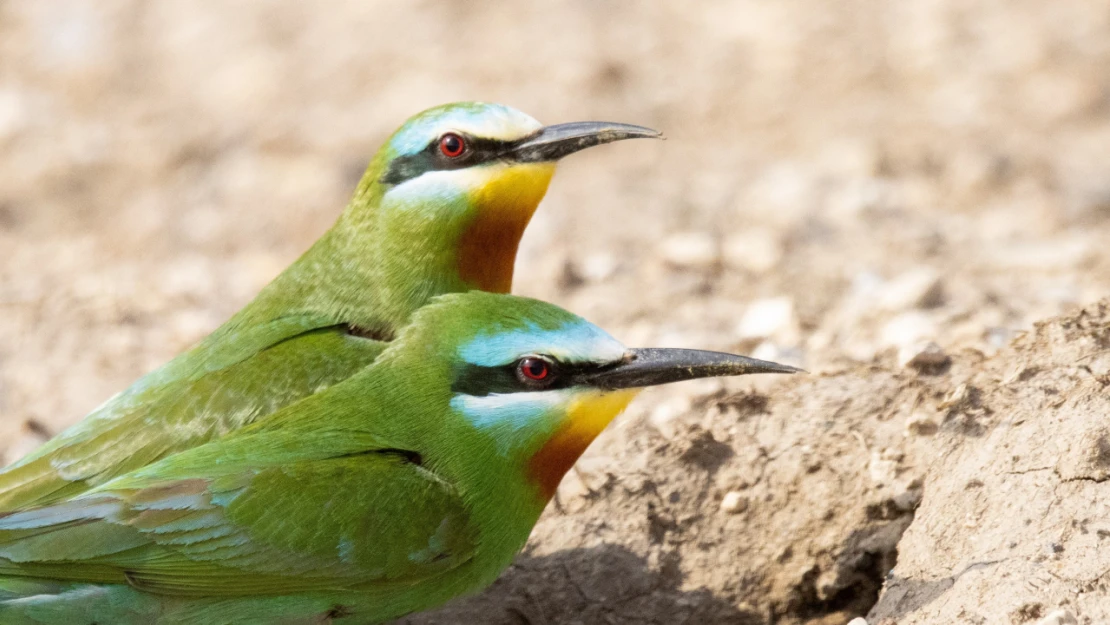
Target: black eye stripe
point(481, 381)
point(431, 158)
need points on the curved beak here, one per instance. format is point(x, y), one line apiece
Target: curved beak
point(650, 366)
point(552, 143)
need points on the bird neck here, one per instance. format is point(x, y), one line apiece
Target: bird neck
point(502, 206)
point(586, 418)
point(388, 254)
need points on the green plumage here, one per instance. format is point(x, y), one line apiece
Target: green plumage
point(303, 333)
point(164, 412)
point(359, 503)
point(306, 462)
point(420, 224)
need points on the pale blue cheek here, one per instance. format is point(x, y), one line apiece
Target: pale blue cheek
point(432, 194)
point(511, 419)
point(498, 410)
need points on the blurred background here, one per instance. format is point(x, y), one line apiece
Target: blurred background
point(841, 181)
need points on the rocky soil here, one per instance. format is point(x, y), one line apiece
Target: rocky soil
point(911, 200)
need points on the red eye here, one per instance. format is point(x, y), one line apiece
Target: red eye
point(452, 145)
point(534, 369)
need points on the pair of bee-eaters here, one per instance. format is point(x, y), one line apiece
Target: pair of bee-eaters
point(376, 433)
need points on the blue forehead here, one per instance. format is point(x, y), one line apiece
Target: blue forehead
point(574, 341)
point(494, 121)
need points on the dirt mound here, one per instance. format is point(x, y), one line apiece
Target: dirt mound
point(1015, 521)
point(791, 505)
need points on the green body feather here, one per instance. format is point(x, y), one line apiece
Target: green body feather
point(357, 504)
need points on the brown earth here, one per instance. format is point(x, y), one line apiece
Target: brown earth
point(843, 184)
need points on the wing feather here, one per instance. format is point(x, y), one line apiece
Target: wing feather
point(295, 524)
point(187, 404)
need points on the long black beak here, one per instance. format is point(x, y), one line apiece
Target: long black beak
point(552, 143)
point(649, 367)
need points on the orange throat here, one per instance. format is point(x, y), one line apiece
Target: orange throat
point(587, 417)
point(505, 201)
point(487, 251)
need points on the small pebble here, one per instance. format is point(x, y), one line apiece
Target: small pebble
point(1053, 548)
point(766, 317)
point(907, 501)
point(917, 288)
point(598, 267)
point(997, 338)
point(859, 620)
point(757, 250)
point(920, 424)
point(569, 277)
point(924, 356)
point(882, 470)
point(734, 503)
point(908, 328)
point(691, 250)
point(593, 268)
point(1059, 617)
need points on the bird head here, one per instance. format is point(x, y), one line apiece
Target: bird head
point(539, 383)
point(452, 190)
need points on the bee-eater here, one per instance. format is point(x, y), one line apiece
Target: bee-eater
point(413, 481)
point(440, 209)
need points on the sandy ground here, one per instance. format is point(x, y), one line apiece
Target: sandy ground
point(888, 194)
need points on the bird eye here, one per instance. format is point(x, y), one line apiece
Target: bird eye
point(452, 145)
point(535, 371)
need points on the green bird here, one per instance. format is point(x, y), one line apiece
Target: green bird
point(440, 209)
point(413, 481)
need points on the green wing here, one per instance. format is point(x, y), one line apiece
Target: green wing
point(226, 382)
point(354, 517)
